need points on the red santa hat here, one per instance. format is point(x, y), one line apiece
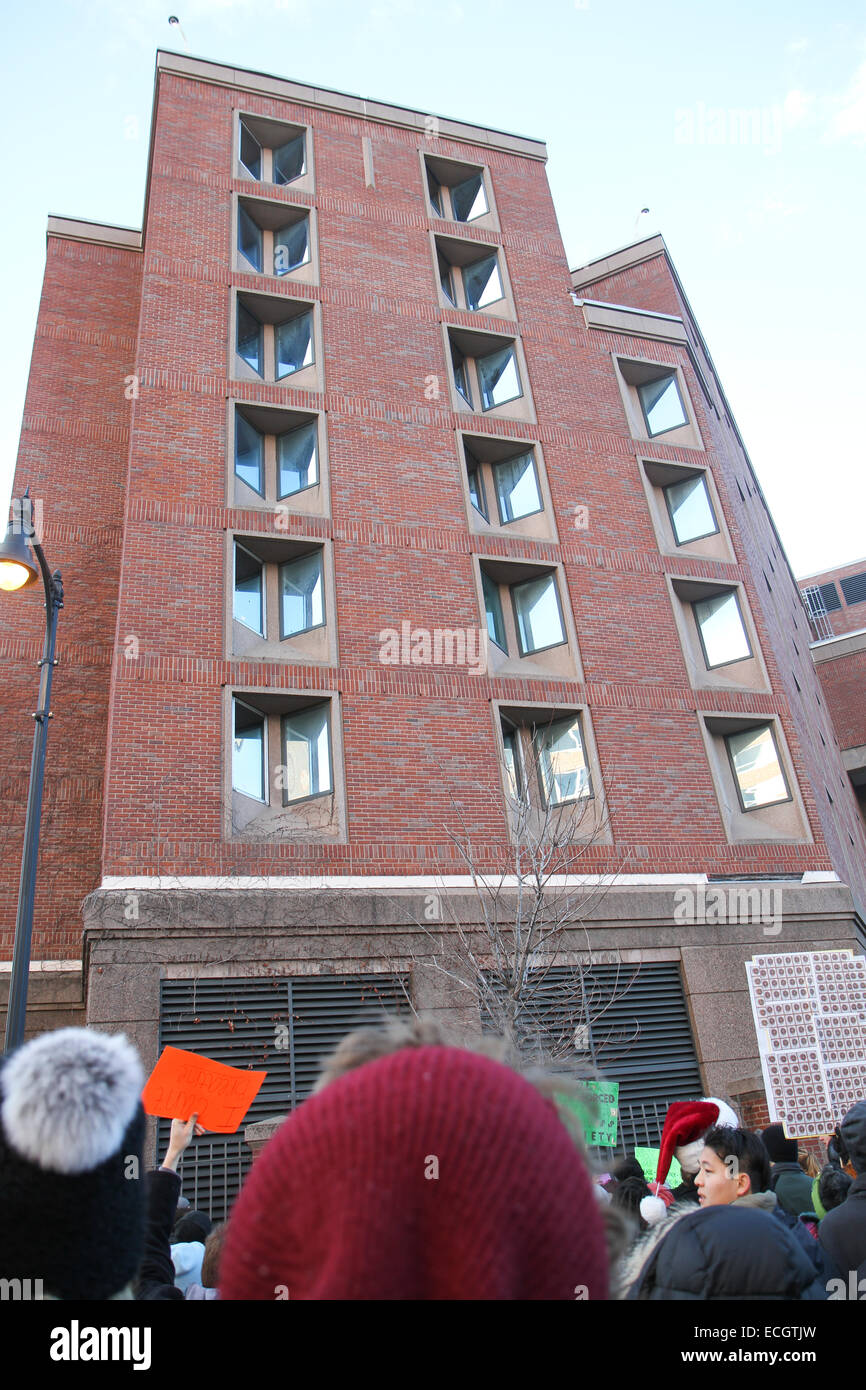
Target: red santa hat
point(686, 1123)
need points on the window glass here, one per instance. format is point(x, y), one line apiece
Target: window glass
point(307, 753)
point(562, 762)
point(756, 767)
point(690, 510)
point(302, 594)
point(662, 406)
point(461, 380)
point(482, 282)
point(249, 238)
point(294, 344)
point(493, 608)
point(249, 454)
point(476, 485)
point(249, 339)
point(513, 767)
point(249, 605)
point(248, 752)
point(297, 460)
point(517, 488)
point(446, 280)
point(468, 199)
point(498, 377)
point(720, 624)
point(290, 160)
point(291, 246)
point(536, 605)
point(251, 153)
point(434, 188)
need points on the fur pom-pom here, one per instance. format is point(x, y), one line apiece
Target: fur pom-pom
point(653, 1210)
point(68, 1098)
point(727, 1117)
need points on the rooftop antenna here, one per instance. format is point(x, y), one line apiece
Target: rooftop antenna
point(175, 23)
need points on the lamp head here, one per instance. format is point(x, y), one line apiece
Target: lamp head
point(18, 566)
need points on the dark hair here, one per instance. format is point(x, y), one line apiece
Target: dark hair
point(210, 1262)
point(747, 1148)
point(833, 1187)
point(627, 1167)
point(628, 1195)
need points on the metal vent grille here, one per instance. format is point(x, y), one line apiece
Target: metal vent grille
point(284, 1026)
point(854, 588)
point(830, 595)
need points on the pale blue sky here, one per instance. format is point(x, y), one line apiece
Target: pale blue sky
point(744, 133)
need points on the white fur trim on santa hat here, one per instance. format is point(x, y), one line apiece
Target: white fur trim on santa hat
point(688, 1156)
point(69, 1096)
point(727, 1116)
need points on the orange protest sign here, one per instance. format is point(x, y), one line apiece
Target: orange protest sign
point(182, 1084)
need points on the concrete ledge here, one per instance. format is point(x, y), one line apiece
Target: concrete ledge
point(99, 233)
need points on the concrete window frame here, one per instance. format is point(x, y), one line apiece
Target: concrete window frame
point(747, 673)
point(634, 372)
point(465, 350)
point(442, 177)
point(271, 136)
point(316, 645)
point(458, 255)
point(272, 312)
point(657, 475)
point(583, 818)
point(272, 423)
point(271, 218)
point(504, 575)
point(283, 817)
point(482, 455)
point(782, 822)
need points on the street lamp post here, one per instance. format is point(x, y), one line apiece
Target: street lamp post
point(18, 571)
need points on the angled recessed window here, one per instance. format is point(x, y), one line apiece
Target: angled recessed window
point(482, 282)
point(248, 751)
point(250, 339)
point(516, 484)
point(297, 459)
point(476, 484)
point(446, 280)
point(249, 454)
point(662, 404)
point(250, 238)
point(721, 630)
point(493, 610)
point(461, 376)
point(251, 152)
point(434, 190)
point(537, 614)
point(307, 753)
point(468, 199)
point(249, 590)
point(302, 594)
point(498, 377)
point(690, 510)
point(757, 770)
point(292, 246)
point(290, 160)
point(562, 766)
point(293, 344)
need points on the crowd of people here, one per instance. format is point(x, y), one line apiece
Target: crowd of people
point(417, 1170)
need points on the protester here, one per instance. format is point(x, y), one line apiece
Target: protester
point(725, 1252)
point(686, 1123)
point(829, 1190)
point(72, 1203)
point(429, 1172)
point(842, 1232)
point(791, 1185)
point(156, 1277)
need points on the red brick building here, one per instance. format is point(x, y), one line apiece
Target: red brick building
point(339, 408)
point(836, 602)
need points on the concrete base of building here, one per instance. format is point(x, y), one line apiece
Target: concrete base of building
point(55, 996)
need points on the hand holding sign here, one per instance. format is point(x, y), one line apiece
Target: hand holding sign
point(183, 1084)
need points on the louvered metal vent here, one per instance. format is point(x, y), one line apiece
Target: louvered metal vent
point(282, 1026)
point(640, 1036)
point(830, 595)
point(854, 588)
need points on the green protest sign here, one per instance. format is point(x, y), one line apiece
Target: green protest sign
point(649, 1162)
point(597, 1113)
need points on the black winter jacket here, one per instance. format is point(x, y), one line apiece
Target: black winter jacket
point(156, 1275)
point(842, 1231)
point(724, 1252)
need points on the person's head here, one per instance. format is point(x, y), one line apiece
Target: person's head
point(628, 1194)
point(627, 1167)
point(809, 1163)
point(72, 1194)
point(192, 1226)
point(778, 1146)
point(213, 1249)
point(852, 1131)
point(734, 1164)
point(429, 1173)
point(830, 1189)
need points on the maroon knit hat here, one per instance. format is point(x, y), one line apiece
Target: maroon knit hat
point(345, 1201)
